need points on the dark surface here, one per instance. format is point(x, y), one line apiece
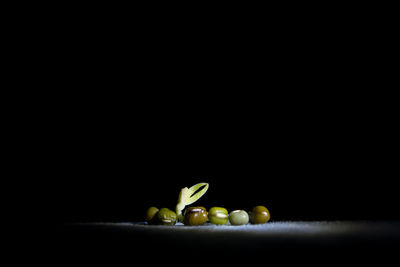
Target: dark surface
point(278, 242)
point(303, 156)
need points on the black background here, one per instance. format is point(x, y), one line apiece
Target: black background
point(293, 116)
point(297, 117)
point(303, 156)
point(304, 160)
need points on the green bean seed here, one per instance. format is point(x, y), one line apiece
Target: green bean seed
point(218, 215)
point(238, 217)
point(151, 215)
point(166, 217)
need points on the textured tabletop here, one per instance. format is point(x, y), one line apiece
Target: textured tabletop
point(322, 233)
point(274, 238)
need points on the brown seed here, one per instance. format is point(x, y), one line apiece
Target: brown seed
point(195, 216)
point(259, 215)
